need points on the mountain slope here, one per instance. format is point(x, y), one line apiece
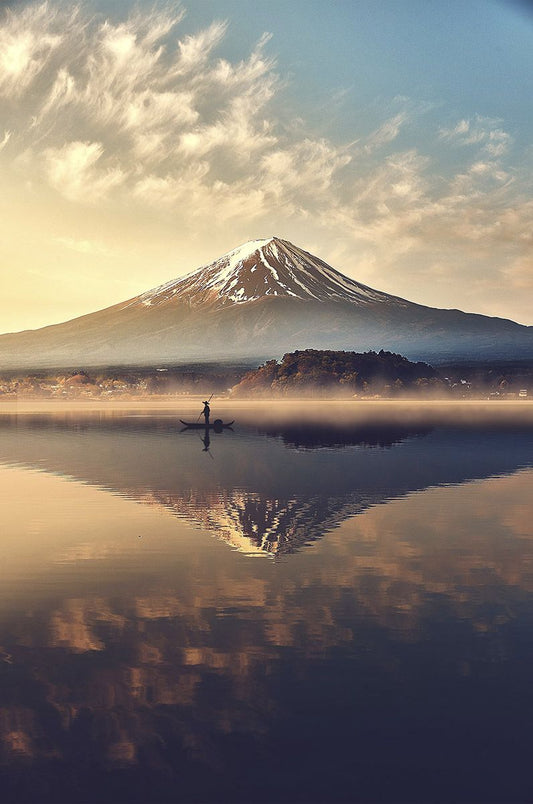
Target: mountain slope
point(264, 268)
point(260, 300)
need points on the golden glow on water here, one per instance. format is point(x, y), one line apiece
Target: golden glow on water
point(383, 410)
point(441, 540)
point(130, 604)
point(461, 542)
point(52, 525)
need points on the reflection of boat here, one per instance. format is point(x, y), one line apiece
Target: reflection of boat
point(218, 424)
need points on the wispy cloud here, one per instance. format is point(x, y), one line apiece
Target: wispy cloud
point(482, 132)
point(88, 247)
point(27, 42)
point(387, 132)
point(74, 171)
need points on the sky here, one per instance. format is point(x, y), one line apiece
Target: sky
point(139, 141)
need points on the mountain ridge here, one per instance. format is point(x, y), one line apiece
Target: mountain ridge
point(260, 300)
point(262, 268)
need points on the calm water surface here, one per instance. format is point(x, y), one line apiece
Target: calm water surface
point(283, 612)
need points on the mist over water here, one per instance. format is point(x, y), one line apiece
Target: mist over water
point(326, 602)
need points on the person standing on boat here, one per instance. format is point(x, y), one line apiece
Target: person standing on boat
point(206, 411)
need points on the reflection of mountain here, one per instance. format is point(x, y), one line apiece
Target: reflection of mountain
point(336, 435)
point(183, 677)
point(256, 524)
point(257, 494)
point(190, 674)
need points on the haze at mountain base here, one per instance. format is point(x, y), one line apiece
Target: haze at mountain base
point(261, 300)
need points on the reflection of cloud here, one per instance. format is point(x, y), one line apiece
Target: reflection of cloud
point(130, 665)
point(70, 630)
point(73, 626)
point(18, 726)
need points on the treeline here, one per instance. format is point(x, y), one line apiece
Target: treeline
point(313, 371)
point(190, 378)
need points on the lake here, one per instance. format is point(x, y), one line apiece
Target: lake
point(324, 604)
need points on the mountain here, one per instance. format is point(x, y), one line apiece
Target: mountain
point(260, 300)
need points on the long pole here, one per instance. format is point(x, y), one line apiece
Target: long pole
point(208, 401)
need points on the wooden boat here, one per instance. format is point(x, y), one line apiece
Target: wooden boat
point(218, 424)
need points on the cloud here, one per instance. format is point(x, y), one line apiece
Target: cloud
point(196, 50)
point(28, 40)
point(120, 100)
point(481, 131)
point(74, 171)
point(387, 132)
point(520, 272)
point(89, 247)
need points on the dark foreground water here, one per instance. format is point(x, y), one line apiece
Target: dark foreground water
point(285, 612)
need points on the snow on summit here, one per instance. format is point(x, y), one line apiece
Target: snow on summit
point(262, 268)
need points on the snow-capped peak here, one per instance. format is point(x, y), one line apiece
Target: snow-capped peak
point(262, 268)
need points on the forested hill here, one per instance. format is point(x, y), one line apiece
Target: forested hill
point(312, 371)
